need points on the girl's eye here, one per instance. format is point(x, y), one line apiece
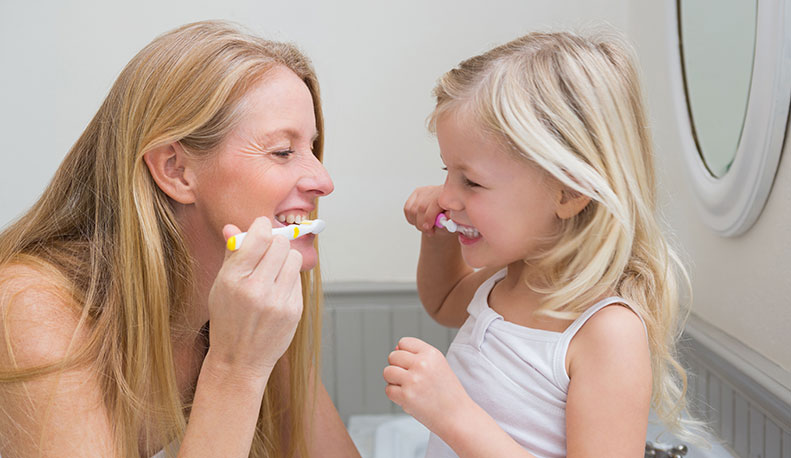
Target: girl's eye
point(284, 153)
point(470, 184)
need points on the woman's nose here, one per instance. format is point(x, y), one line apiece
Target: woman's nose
point(316, 179)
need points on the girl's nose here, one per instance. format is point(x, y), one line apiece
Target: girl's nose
point(447, 198)
point(316, 180)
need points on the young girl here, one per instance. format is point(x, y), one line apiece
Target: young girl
point(559, 276)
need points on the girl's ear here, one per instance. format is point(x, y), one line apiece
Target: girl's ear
point(570, 203)
point(172, 171)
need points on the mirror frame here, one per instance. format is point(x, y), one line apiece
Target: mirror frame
point(730, 205)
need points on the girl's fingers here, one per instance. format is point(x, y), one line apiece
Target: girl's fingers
point(409, 211)
point(401, 358)
point(394, 393)
point(395, 375)
point(413, 345)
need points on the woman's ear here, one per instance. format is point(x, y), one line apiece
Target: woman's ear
point(570, 203)
point(172, 171)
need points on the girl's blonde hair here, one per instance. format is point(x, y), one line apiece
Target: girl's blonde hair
point(573, 106)
point(106, 233)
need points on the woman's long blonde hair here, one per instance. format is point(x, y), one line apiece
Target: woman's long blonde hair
point(573, 106)
point(106, 230)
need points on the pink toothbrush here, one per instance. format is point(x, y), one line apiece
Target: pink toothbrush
point(445, 222)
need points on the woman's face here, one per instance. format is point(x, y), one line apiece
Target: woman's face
point(266, 166)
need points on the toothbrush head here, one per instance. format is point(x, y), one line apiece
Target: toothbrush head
point(443, 221)
point(293, 231)
point(316, 225)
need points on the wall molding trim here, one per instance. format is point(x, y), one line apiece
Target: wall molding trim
point(759, 379)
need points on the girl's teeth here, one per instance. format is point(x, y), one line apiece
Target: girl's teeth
point(469, 232)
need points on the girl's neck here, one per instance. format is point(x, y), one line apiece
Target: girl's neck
point(512, 298)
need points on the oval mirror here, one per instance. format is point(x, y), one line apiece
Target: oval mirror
point(733, 91)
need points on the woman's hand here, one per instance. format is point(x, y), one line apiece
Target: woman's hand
point(420, 380)
point(422, 208)
point(255, 303)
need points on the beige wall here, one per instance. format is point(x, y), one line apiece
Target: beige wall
point(377, 66)
point(377, 63)
point(741, 285)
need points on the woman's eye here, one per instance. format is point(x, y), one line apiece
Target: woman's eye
point(284, 153)
point(445, 169)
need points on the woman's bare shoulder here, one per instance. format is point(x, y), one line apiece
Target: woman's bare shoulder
point(47, 412)
point(38, 315)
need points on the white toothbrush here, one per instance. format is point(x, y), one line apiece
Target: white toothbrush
point(443, 221)
point(291, 232)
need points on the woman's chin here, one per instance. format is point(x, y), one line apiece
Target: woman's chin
point(308, 251)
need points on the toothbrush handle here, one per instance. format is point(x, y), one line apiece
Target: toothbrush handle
point(291, 232)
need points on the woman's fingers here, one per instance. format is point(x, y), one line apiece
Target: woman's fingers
point(229, 230)
point(256, 300)
point(291, 268)
point(272, 262)
point(254, 247)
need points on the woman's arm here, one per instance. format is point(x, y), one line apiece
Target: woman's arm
point(328, 435)
point(224, 411)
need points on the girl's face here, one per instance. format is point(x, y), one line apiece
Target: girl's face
point(266, 166)
point(506, 207)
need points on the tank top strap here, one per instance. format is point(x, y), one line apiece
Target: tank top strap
point(562, 377)
point(582, 319)
point(480, 300)
point(481, 314)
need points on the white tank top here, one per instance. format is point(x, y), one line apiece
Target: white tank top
point(516, 374)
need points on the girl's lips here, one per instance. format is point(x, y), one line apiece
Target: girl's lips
point(464, 240)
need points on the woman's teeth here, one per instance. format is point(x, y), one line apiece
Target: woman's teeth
point(291, 219)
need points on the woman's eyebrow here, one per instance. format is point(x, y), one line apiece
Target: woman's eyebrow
point(285, 133)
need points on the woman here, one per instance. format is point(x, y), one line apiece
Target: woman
point(109, 283)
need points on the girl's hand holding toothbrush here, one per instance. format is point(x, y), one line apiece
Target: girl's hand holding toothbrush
point(422, 208)
point(420, 380)
point(255, 303)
